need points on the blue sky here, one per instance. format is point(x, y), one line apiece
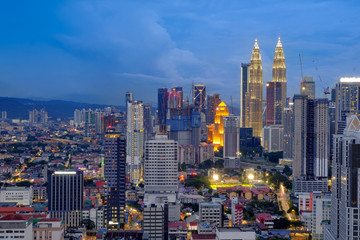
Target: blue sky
point(95, 51)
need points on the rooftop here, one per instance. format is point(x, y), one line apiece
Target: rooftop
point(15, 217)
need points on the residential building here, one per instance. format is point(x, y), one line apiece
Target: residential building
point(273, 138)
point(48, 229)
point(236, 212)
point(231, 136)
point(115, 174)
point(211, 213)
point(288, 136)
point(155, 221)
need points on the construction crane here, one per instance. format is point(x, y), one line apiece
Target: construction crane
point(326, 89)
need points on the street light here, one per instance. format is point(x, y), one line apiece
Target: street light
point(251, 176)
point(216, 177)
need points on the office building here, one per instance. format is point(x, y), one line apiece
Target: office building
point(17, 226)
point(135, 140)
point(175, 98)
point(244, 106)
point(345, 204)
point(212, 102)
point(216, 130)
point(148, 122)
point(65, 196)
point(20, 195)
point(255, 87)
point(311, 138)
point(211, 212)
point(155, 221)
point(115, 174)
point(347, 101)
point(161, 169)
point(307, 87)
point(162, 108)
point(231, 136)
point(273, 138)
point(288, 137)
point(199, 96)
point(48, 229)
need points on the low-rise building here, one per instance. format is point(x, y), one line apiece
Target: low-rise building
point(266, 219)
point(49, 229)
point(235, 233)
point(21, 195)
point(16, 226)
point(211, 213)
point(95, 214)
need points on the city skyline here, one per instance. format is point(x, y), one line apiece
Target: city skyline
point(88, 48)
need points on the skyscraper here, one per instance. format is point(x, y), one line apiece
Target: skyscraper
point(162, 108)
point(216, 130)
point(307, 87)
point(347, 101)
point(244, 109)
point(231, 136)
point(175, 98)
point(199, 96)
point(148, 121)
point(345, 202)
point(288, 140)
point(65, 196)
point(256, 92)
point(311, 138)
point(276, 90)
point(212, 102)
point(115, 173)
point(161, 169)
point(135, 140)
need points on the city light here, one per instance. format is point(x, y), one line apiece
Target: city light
point(216, 177)
point(251, 176)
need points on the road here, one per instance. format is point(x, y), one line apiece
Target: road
point(283, 199)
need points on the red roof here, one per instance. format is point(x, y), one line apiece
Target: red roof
point(177, 224)
point(50, 220)
point(15, 217)
point(265, 216)
point(203, 236)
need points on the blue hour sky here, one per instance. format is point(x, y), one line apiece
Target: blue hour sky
point(95, 51)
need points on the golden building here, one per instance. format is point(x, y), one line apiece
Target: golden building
point(216, 130)
point(256, 92)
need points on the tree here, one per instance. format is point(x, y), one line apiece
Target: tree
point(281, 223)
point(183, 166)
point(219, 164)
point(206, 164)
point(88, 223)
point(287, 170)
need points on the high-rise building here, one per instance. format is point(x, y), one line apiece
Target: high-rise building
point(212, 102)
point(129, 98)
point(273, 138)
point(216, 130)
point(175, 98)
point(65, 196)
point(231, 136)
point(3, 115)
point(199, 96)
point(276, 90)
point(236, 212)
point(311, 138)
point(162, 108)
point(148, 122)
point(115, 174)
point(345, 202)
point(244, 106)
point(155, 221)
point(307, 87)
point(255, 87)
point(161, 169)
point(135, 140)
point(288, 140)
point(347, 101)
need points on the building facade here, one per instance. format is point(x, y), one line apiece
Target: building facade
point(244, 81)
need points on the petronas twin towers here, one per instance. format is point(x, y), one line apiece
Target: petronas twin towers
point(251, 91)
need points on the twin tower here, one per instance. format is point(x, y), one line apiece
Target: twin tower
point(251, 91)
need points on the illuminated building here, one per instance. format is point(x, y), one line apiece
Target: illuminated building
point(65, 197)
point(276, 89)
point(199, 96)
point(347, 101)
point(175, 98)
point(212, 102)
point(216, 130)
point(115, 174)
point(244, 109)
point(256, 92)
point(162, 108)
point(307, 87)
point(135, 140)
